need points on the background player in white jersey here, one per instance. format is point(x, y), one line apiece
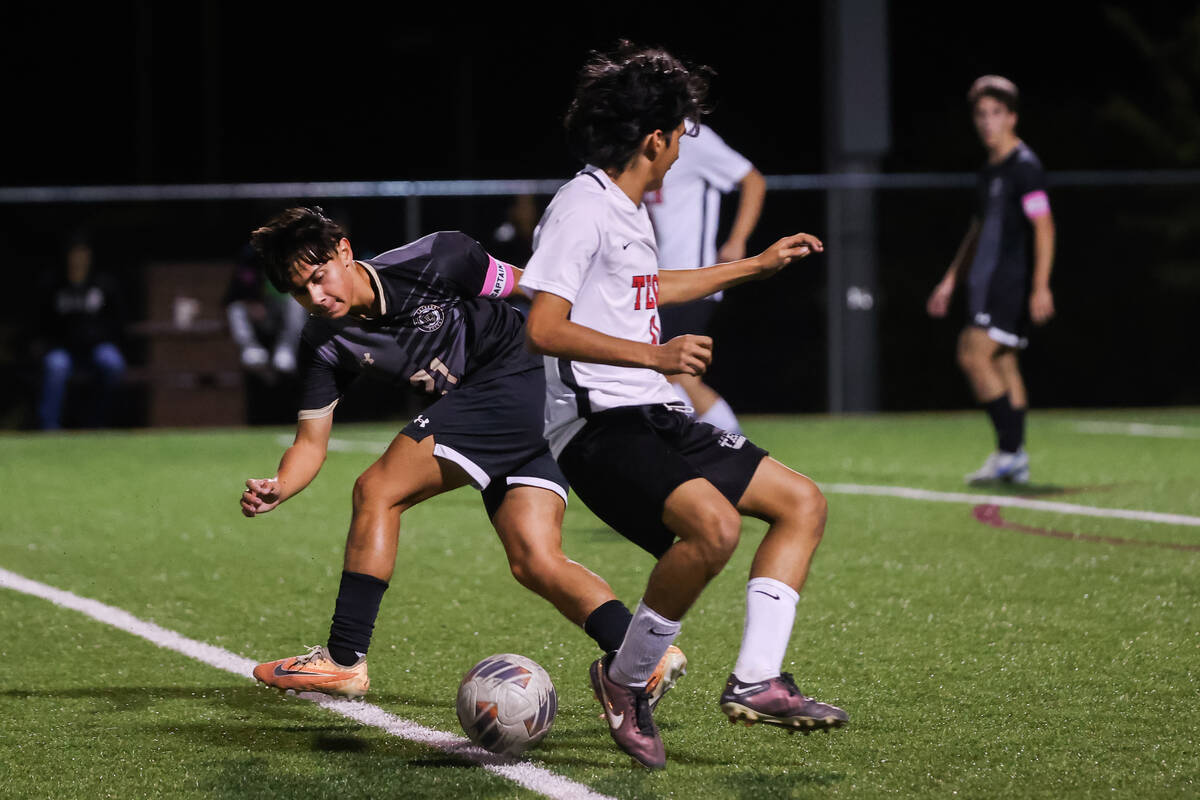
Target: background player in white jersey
point(674, 486)
point(429, 317)
point(1009, 249)
point(685, 213)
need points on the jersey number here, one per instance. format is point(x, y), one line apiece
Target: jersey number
point(424, 381)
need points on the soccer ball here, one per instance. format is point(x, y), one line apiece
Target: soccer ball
point(506, 704)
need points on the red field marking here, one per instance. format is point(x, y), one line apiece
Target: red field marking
point(990, 515)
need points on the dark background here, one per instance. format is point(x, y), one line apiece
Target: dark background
point(215, 92)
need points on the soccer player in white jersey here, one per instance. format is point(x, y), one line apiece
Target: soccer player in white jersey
point(672, 485)
point(685, 212)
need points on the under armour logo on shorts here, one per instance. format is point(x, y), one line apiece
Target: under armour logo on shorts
point(421, 420)
point(733, 441)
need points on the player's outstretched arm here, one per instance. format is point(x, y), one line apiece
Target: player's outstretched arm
point(300, 464)
point(549, 331)
point(938, 303)
point(683, 285)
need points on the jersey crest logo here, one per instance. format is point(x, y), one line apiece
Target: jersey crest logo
point(428, 318)
point(733, 441)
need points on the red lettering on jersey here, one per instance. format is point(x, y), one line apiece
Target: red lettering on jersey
point(639, 283)
point(651, 291)
point(654, 330)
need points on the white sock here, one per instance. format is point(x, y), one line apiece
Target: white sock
point(648, 637)
point(721, 416)
point(770, 612)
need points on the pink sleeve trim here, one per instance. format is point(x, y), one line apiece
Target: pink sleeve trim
point(499, 280)
point(1036, 204)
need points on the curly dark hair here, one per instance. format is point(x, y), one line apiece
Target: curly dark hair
point(299, 234)
point(628, 93)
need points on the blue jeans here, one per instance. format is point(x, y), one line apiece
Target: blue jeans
point(57, 368)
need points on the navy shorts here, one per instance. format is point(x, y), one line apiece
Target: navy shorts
point(625, 462)
point(493, 430)
point(694, 317)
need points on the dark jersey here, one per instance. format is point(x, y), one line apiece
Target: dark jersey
point(82, 315)
point(439, 327)
point(1010, 193)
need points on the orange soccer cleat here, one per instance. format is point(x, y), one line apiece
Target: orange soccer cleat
point(315, 671)
point(670, 669)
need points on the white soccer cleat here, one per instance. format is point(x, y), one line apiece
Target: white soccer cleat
point(1001, 466)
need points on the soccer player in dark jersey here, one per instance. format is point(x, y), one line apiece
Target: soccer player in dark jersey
point(673, 485)
point(1007, 255)
point(425, 316)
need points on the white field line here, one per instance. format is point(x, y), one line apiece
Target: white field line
point(1139, 429)
point(908, 493)
point(531, 777)
point(1013, 502)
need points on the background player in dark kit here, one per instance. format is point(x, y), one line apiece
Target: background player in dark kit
point(1009, 249)
point(427, 316)
point(675, 486)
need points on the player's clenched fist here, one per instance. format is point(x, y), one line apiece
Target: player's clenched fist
point(261, 495)
point(688, 354)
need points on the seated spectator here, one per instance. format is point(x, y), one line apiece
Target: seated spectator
point(82, 328)
point(264, 323)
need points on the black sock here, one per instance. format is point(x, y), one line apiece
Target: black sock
point(607, 625)
point(1018, 429)
point(354, 616)
point(1001, 412)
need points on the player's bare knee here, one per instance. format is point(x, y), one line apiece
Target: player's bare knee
point(969, 360)
point(534, 571)
point(722, 528)
point(807, 508)
point(523, 571)
point(811, 502)
point(373, 489)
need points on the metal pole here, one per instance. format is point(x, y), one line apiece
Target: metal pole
point(412, 217)
point(857, 136)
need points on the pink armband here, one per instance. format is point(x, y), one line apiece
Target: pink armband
point(500, 279)
point(1036, 204)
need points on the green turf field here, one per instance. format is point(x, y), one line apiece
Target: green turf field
point(974, 660)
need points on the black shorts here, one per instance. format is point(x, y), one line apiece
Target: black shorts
point(693, 317)
point(625, 462)
point(1001, 307)
point(493, 430)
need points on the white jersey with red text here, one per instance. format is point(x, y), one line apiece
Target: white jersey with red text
point(595, 248)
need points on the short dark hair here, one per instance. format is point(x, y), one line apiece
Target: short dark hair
point(628, 93)
point(996, 87)
point(299, 234)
